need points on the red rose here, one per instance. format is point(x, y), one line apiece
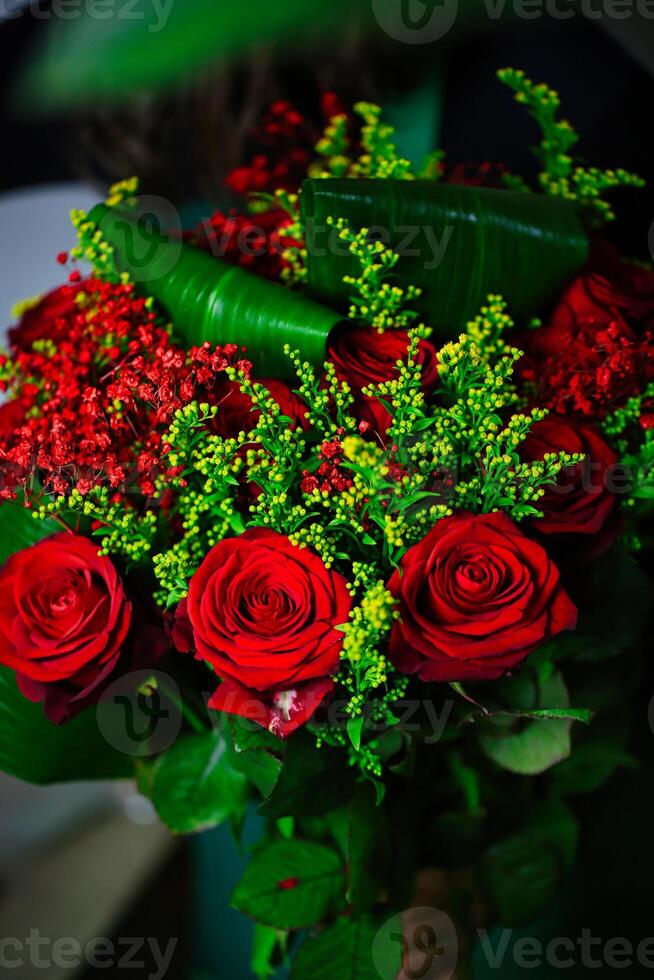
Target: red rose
point(235, 407)
point(362, 356)
point(264, 614)
point(476, 597)
point(611, 288)
point(47, 318)
point(64, 618)
point(581, 501)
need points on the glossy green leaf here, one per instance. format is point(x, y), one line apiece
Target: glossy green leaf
point(31, 747)
point(537, 746)
point(347, 950)
point(311, 782)
point(210, 300)
point(291, 884)
point(195, 786)
point(457, 243)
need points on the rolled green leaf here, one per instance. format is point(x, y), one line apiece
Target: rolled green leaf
point(210, 300)
point(457, 243)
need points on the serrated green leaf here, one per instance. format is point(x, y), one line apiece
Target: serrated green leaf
point(466, 242)
point(210, 300)
point(195, 786)
point(291, 885)
point(312, 781)
point(345, 951)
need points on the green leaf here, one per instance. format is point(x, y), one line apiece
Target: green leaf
point(521, 873)
point(31, 747)
point(457, 243)
point(591, 764)
point(264, 949)
point(312, 781)
point(354, 730)
point(291, 884)
point(35, 750)
point(540, 744)
point(345, 951)
point(260, 767)
point(195, 786)
point(19, 530)
point(88, 58)
point(210, 300)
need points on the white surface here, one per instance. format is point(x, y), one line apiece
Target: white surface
point(34, 227)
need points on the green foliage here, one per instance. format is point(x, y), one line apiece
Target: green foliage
point(311, 782)
point(195, 785)
point(540, 743)
point(560, 177)
point(345, 950)
point(521, 873)
point(210, 300)
point(291, 884)
point(455, 243)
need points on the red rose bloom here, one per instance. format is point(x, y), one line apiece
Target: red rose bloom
point(362, 356)
point(611, 288)
point(264, 614)
point(476, 597)
point(47, 318)
point(235, 407)
point(64, 618)
point(580, 502)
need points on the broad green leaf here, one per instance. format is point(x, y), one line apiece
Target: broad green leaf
point(19, 530)
point(260, 767)
point(345, 951)
point(210, 300)
point(31, 747)
point(195, 786)
point(521, 874)
point(457, 243)
point(35, 750)
point(312, 781)
point(540, 744)
point(291, 884)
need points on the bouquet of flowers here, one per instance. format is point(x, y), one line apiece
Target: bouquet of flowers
point(342, 525)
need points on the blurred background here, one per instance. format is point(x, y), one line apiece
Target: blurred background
point(172, 97)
